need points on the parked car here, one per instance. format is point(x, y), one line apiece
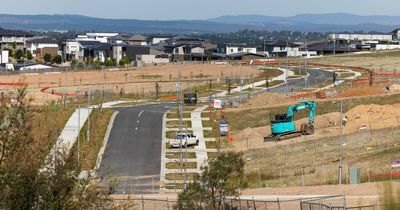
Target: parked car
point(188, 139)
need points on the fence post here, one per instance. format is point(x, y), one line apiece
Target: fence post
point(240, 204)
point(279, 204)
point(142, 203)
point(254, 204)
point(247, 203)
point(231, 204)
point(167, 204)
point(265, 204)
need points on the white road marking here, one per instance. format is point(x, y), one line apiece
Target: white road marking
point(136, 128)
point(137, 121)
point(141, 113)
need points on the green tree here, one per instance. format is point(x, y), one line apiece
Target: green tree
point(57, 59)
point(14, 45)
point(23, 185)
point(19, 54)
point(223, 177)
point(109, 62)
point(47, 58)
point(29, 55)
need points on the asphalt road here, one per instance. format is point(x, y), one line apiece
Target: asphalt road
point(133, 154)
point(315, 77)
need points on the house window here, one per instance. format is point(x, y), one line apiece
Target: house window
point(231, 50)
point(240, 49)
point(176, 50)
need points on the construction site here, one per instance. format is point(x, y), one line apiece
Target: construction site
point(344, 117)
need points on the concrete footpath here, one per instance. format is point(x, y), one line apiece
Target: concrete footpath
point(69, 134)
point(286, 73)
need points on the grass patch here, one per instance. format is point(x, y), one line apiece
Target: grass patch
point(175, 165)
point(149, 76)
point(270, 73)
point(208, 123)
point(210, 134)
point(211, 145)
point(89, 150)
point(175, 124)
point(176, 186)
point(346, 74)
point(271, 84)
point(180, 176)
point(177, 115)
point(176, 155)
point(212, 155)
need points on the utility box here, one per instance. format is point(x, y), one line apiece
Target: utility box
point(190, 98)
point(355, 176)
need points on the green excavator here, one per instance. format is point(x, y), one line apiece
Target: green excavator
point(282, 125)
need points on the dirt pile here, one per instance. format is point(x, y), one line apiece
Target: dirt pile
point(359, 119)
point(267, 99)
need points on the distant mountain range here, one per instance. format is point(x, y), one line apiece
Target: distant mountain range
point(336, 22)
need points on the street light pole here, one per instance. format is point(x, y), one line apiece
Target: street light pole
point(341, 143)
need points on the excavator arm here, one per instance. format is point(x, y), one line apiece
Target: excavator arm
point(311, 105)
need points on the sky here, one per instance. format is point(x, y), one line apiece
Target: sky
point(190, 9)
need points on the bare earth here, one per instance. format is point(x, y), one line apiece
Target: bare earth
point(135, 80)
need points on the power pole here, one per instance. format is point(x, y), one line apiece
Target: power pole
point(88, 122)
point(179, 94)
point(341, 143)
point(79, 134)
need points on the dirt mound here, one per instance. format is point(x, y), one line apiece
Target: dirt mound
point(267, 99)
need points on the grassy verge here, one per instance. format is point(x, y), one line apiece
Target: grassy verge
point(251, 118)
point(176, 115)
point(212, 155)
point(172, 186)
point(89, 150)
point(179, 176)
point(271, 84)
point(176, 155)
point(211, 144)
point(175, 165)
point(175, 124)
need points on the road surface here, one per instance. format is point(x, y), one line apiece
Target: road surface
point(133, 154)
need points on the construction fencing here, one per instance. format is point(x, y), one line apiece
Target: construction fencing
point(226, 204)
point(332, 203)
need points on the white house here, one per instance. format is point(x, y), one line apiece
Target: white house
point(8, 38)
point(4, 56)
point(240, 48)
point(41, 46)
point(101, 37)
point(71, 49)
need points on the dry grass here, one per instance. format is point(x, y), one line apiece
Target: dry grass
point(179, 176)
point(176, 155)
point(48, 123)
point(175, 165)
point(176, 115)
point(89, 150)
point(176, 124)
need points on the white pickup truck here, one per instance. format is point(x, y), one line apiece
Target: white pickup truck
point(188, 139)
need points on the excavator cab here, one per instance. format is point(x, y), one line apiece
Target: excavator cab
point(282, 124)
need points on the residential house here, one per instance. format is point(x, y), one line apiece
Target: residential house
point(94, 50)
point(128, 39)
point(331, 48)
point(4, 56)
point(41, 46)
point(240, 48)
point(396, 34)
point(9, 38)
point(101, 37)
point(155, 40)
point(133, 51)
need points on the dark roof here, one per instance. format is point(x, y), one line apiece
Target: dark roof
point(89, 44)
point(282, 43)
point(6, 32)
point(241, 54)
point(137, 37)
point(331, 48)
point(44, 40)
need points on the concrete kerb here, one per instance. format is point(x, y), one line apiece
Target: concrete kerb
point(164, 140)
point(104, 145)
